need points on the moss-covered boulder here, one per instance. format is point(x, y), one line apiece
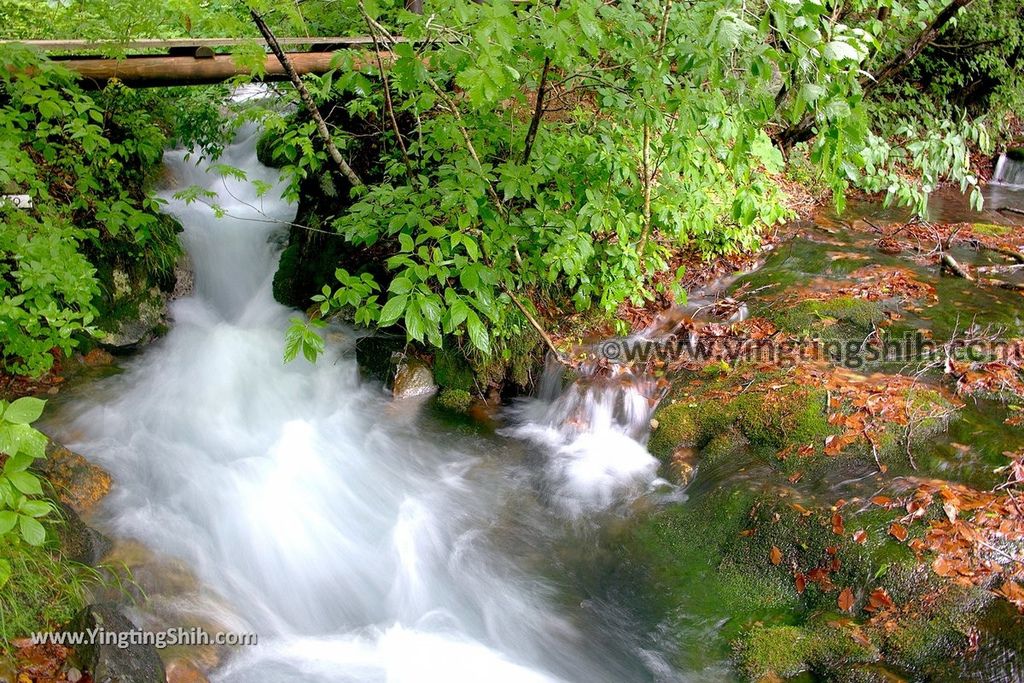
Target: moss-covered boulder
point(455, 400)
point(840, 319)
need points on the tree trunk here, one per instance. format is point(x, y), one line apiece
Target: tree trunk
point(307, 101)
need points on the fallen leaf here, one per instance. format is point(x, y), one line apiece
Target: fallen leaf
point(838, 528)
point(860, 536)
point(801, 583)
point(898, 531)
point(846, 600)
point(776, 555)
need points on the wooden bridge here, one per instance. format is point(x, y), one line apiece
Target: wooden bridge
point(190, 61)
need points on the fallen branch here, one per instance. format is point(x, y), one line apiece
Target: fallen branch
point(960, 271)
point(307, 100)
point(1001, 269)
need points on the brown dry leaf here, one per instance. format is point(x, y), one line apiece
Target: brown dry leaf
point(898, 531)
point(776, 555)
point(846, 600)
point(838, 528)
point(1013, 592)
point(860, 536)
point(801, 583)
point(883, 501)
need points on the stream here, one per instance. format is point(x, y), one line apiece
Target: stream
point(361, 538)
point(369, 539)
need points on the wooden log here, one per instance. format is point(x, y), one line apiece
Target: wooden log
point(160, 44)
point(141, 72)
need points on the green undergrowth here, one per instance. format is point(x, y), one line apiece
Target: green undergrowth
point(45, 590)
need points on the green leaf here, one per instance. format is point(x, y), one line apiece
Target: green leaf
point(24, 411)
point(5, 572)
point(392, 311)
point(35, 508)
point(31, 530)
point(26, 482)
point(478, 333)
point(8, 519)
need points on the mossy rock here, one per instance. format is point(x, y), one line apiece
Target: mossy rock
point(455, 400)
point(791, 416)
point(1015, 154)
point(786, 651)
point(840, 319)
point(452, 370)
point(992, 229)
point(689, 424)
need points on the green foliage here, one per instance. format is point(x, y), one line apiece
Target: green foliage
point(20, 445)
point(83, 161)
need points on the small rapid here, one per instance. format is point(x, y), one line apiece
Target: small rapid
point(1009, 171)
point(359, 537)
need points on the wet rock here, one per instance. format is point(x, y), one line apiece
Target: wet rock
point(682, 465)
point(413, 378)
point(184, 279)
point(78, 483)
point(138, 320)
point(109, 663)
point(377, 357)
point(78, 541)
point(184, 671)
point(97, 358)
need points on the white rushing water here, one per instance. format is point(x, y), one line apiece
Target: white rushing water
point(1009, 172)
point(359, 541)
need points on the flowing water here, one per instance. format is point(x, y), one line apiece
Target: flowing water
point(360, 538)
point(1009, 171)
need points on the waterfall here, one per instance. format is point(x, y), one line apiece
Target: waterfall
point(1009, 171)
point(358, 538)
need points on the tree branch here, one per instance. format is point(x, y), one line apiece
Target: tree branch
point(538, 109)
point(802, 130)
point(307, 100)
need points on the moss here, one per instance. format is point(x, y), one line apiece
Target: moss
point(452, 370)
point(456, 400)
point(794, 415)
point(781, 651)
point(842, 318)
point(691, 424)
point(1015, 154)
point(44, 591)
point(992, 229)
point(723, 448)
point(265, 149)
point(785, 651)
point(285, 276)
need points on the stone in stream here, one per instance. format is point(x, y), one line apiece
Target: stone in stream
point(413, 378)
point(109, 663)
point(184, 671)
